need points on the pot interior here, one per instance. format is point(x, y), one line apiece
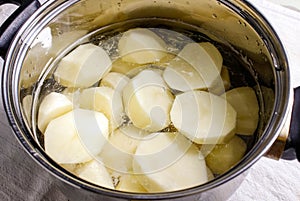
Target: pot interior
point(249, 47)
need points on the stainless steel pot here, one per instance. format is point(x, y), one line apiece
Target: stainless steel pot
point(53, 27)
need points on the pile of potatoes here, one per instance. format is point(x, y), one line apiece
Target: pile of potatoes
point(169, 124)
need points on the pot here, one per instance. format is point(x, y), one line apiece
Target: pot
point(56, 27)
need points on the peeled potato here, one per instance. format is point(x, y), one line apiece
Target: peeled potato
point(52, 106)
point(147, 101)
point(221, 84)
point(70, 167)
point(76, 137)
point(244, 101)
point(126, 68)
point(181, 76)
point(203, 117)
point(114, 80)
point(204, 57)
point(213, 53)
point(117, 153)
point(127, 138)
point(197, 66)
point(130, 183)
point(149, 108)
point(27, 105)
point(169, 162)
point(225, 78)
point(73, 94)
point(164, 62)
point(105, 100)
point(210, 175)
point(115, 159)
point(141, 46)
point(95, 172)
point(83, 67)
point(131, 69)
point(224, 156)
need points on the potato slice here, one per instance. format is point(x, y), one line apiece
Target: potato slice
point(197, 66)
point(148, 101)
point(76, 136)
point(203, 117)
point(244, 101)
point(52, 106)
point(130, 183)
point(141, 46)
point(105, 100)
point(225, 156)
point(95, 172)
point(169, 162)
point(117, 153)
point(83, 67)
point(114, 80)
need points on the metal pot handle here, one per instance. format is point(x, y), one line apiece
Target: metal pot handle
point(12, 24)
point(292, 146)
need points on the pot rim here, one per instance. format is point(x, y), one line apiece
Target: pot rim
point(52, 8)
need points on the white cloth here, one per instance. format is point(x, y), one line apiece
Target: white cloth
point(21, 178)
